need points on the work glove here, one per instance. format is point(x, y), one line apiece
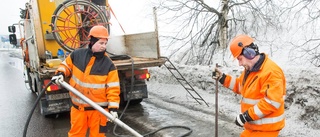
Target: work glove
point(217, 74)
point(114, 113)
point(57, 78)
point(241, 119)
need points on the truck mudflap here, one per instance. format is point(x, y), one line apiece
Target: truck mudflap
point(55, 103)
point(49, 107)
point(139, 91)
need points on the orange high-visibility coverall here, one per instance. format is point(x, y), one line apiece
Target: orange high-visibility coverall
point(96, 77)
point(263, 91)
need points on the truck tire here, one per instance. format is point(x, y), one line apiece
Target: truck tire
point(30, 84)
point(72, 21)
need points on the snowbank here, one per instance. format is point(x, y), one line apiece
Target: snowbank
point(302, 101)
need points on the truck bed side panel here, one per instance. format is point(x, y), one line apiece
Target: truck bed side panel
point(142, 45)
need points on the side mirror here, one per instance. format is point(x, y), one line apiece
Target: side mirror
point(13, 39)
point(12, 29)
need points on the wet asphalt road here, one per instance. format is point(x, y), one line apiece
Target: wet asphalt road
point(16, 102)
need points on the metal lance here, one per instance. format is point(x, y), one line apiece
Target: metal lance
point(100, 109)
point(217, 112)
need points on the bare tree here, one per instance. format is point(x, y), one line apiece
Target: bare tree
point(203, 29)
point(304, 17)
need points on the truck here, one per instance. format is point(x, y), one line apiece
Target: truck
point(49, 27)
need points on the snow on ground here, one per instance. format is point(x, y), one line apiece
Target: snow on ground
point(302, 101)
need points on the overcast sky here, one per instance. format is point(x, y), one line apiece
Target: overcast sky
point(135, 16)
point(10, 13)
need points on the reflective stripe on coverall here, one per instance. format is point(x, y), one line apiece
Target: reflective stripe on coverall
point(263, 94)
point(96, 78)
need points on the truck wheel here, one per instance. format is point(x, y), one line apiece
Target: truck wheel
point(30, 80)
point(38, 88)
point(122, 102)
point(72, 21)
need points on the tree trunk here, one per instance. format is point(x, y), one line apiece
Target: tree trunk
point(223, 27)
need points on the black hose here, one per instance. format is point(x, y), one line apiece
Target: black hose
point(129, 98)
point(166, 127)
point(33, 108)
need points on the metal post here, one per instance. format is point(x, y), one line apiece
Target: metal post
point(217, 112)
point(100, 109)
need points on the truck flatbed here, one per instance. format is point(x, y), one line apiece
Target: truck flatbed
point(123, 64)
point(139, 63)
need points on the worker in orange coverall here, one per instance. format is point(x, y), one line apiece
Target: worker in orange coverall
point(92, 73)
point(262, 86)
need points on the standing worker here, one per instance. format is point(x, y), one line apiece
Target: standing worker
point(92, 73)
point(262, 86)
